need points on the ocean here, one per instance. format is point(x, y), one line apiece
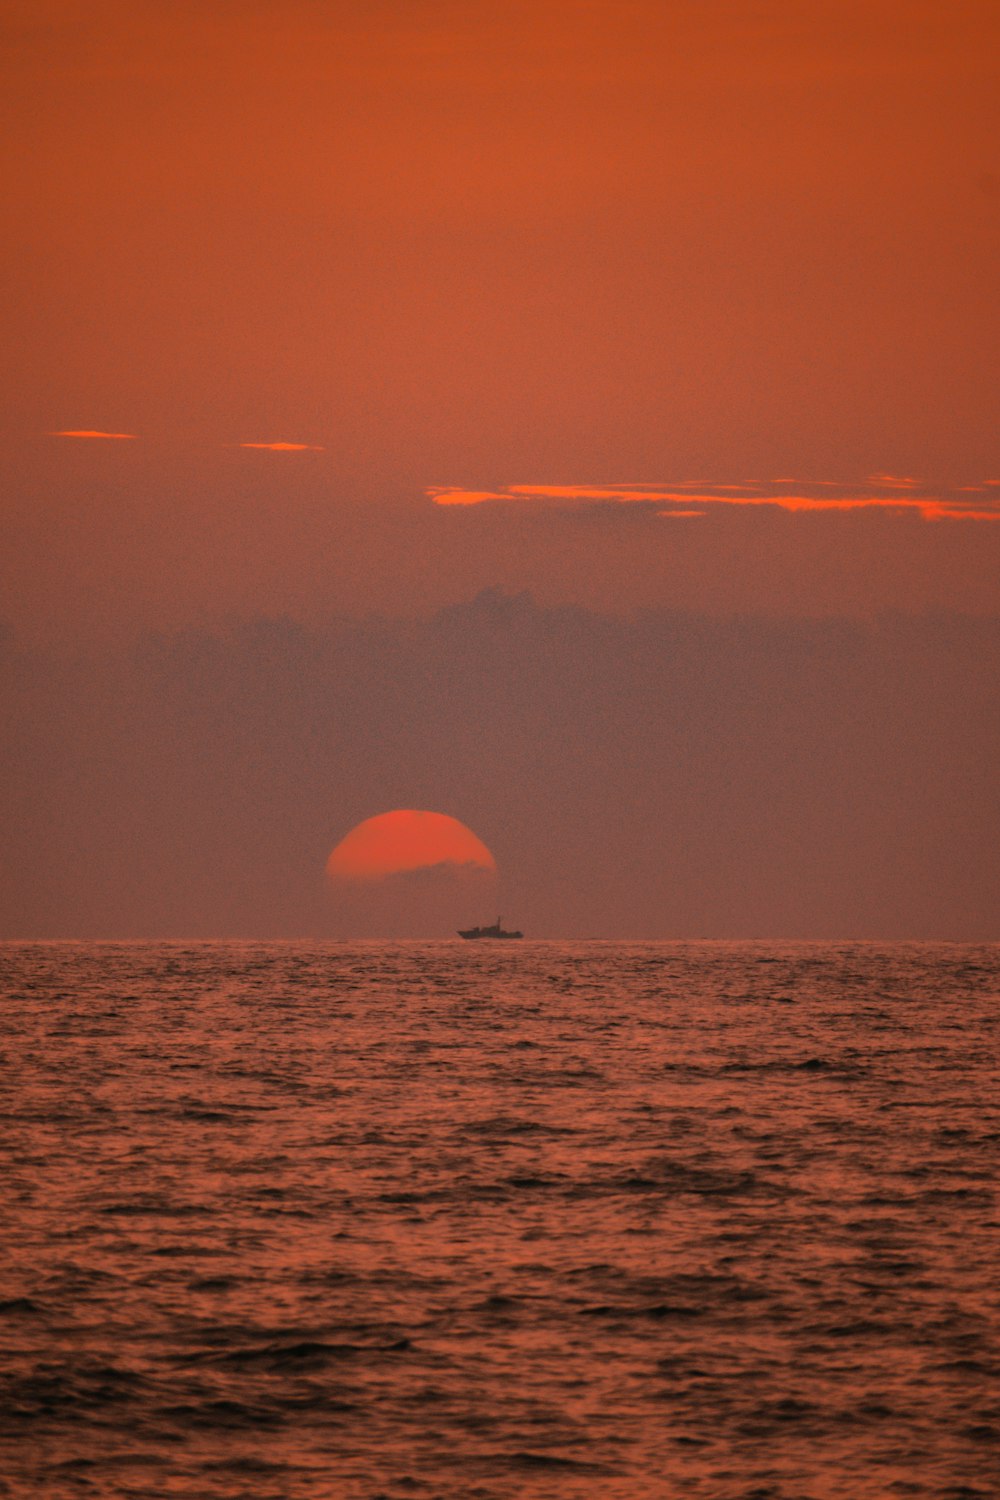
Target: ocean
point(427, 1220)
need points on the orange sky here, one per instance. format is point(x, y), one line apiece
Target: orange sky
point(483, 245)
point(577, 417)
point(453, 241)
point(697, 300)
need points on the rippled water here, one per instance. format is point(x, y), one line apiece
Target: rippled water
point(444, 1220)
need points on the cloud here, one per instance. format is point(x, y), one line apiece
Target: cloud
point(86, 432)
point(650, 773)
point(880, 493)
point(426, 875)
point(285, 447)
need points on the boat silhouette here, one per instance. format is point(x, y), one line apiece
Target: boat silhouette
point(489, 932)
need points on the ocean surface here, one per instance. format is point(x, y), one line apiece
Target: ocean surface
point(497, 1220)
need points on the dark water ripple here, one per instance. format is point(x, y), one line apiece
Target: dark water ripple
point(617, 1220)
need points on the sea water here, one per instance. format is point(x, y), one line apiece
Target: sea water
point(498, 1220)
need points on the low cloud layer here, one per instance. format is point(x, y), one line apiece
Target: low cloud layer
point(662, 775)
point(688, 499)
point(885, 492)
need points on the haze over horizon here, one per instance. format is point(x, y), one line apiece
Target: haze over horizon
point(669, 775)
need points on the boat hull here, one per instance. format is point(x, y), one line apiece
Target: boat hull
point(478, 934)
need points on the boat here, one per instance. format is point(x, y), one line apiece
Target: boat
point(489, 932)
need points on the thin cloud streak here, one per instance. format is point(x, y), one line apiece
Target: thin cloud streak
point(285, 447)
point(115, 437)
point(929, 507)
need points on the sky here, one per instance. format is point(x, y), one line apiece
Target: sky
point(652, 345)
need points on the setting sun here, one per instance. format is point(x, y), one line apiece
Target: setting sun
point(403, 841)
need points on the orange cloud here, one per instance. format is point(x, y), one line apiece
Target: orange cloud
point(285, 447)
point(87, 432)
point(937, 507)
